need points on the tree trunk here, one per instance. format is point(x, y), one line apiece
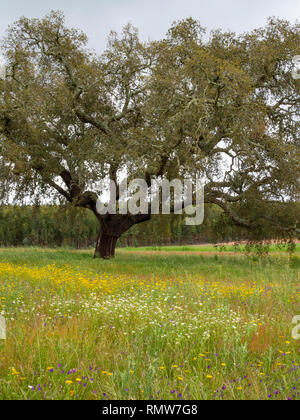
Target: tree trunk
point(105, 246)
point(112, 228)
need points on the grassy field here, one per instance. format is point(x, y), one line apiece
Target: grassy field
point(149, 325)
point(210, 248)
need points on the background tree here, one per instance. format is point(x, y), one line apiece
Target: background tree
point(225, 108)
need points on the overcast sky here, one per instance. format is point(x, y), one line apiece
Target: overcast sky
point(152, 17)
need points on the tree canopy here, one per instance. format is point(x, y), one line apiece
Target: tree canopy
point(221, 106)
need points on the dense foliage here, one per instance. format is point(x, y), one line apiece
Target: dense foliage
point(49, 226)
point(220, 106)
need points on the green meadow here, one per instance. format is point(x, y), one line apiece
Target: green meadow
point(172, 325)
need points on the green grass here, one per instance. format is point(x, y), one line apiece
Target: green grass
point(208, 248)
point(148, 325)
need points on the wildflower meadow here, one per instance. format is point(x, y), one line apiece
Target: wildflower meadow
point(149, 325)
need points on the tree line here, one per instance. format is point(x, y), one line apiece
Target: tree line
point(64, 225)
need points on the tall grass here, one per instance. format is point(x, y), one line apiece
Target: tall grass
point(148, 326)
